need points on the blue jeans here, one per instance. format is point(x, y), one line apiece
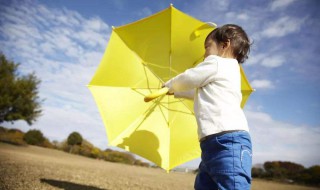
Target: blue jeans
point(226, 162)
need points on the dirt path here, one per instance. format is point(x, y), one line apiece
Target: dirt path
point(24, 168)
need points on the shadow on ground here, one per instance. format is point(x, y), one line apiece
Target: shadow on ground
point(68, 185)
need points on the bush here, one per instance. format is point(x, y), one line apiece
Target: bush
point(311, 176)
point(257, 172)
point(2, 130)
point(12, 136)
point(141, 163)
point(74, 149)
point(34, 137)
point(283, 170)
point(75, 139)
point(122, 157)
point(47, 144)
point(95, 153)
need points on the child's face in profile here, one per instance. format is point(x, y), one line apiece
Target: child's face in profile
point(211, 48)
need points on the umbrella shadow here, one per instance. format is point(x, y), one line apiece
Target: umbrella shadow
point(143, 143)
point(68, 185)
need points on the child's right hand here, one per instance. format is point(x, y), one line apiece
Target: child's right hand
point(168, 93)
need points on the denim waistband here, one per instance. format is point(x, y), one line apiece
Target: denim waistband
point(218, 134)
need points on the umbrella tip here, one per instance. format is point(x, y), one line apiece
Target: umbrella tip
point(112, 27)
point(171, 5)
point(212, 24)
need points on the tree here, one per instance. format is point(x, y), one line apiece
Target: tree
point(257, 172)
point(283, 170)
point(311, 176)
point(34, 137)
point(19, 98)
point(74, 139)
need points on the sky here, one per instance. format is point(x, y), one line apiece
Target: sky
point(62, 42)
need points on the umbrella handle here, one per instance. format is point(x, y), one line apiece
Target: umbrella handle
point(156, 94)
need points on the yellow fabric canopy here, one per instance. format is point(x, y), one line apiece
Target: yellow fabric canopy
point(139, 58)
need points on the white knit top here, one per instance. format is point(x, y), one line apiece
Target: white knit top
point(215, 86)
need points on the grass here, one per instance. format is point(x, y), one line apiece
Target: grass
point(30, 167)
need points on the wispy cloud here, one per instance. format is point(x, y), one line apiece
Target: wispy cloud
point(64, 49)
point(146, 11)
point(282, 27)
point(273, 61)
point(269, 60)
point(275, 140)
point(278, 4)
point(262, 84)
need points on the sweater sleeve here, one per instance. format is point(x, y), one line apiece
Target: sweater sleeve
point(185, 94)
point(193, 78)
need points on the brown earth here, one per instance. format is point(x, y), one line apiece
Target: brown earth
point(31, 167)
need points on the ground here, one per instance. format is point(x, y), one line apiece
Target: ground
point(31, 167)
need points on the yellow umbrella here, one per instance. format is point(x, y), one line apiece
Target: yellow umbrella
point(140, 57)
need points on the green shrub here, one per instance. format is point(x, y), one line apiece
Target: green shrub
point(121, 157)
point(311, 176)
point(141, 163)
point(2, 130)
point(12, 136)
point(74, 149)
point(74, 139)
point(95, 153)
point(34, 137)
point(257, 172)
point(47, 144)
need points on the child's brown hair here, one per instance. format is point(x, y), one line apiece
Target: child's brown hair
point(239, 41)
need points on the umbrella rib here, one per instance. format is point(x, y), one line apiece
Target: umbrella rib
point(173, 110)
point(145, 72)
point(186, 106)
point(146, 64)
point(162, 112)
point(181, 101)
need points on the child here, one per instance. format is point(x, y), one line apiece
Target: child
point(215, 86)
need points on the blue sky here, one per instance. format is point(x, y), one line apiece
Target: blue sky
point(63, 42)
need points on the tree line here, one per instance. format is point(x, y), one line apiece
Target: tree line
point(19, 100)
point(74, 144)
point(288, 172)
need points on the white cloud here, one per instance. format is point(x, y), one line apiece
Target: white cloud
point(276, 140)
point(282, 27)
point(262, 84)
point(278, 4)
point(146, 11)
point(96, 24)
point(239, 16)
point(273, 61)
point(64, 49)
point(269, 60)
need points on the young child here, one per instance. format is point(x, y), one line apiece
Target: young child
point(215, 86)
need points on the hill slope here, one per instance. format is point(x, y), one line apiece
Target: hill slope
point(40, 168)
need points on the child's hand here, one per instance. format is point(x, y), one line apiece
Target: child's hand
point(168, 93)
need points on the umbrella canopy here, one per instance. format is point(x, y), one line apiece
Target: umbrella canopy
point(139, 58)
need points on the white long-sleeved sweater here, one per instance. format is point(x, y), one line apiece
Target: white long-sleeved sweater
point(215, 86)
